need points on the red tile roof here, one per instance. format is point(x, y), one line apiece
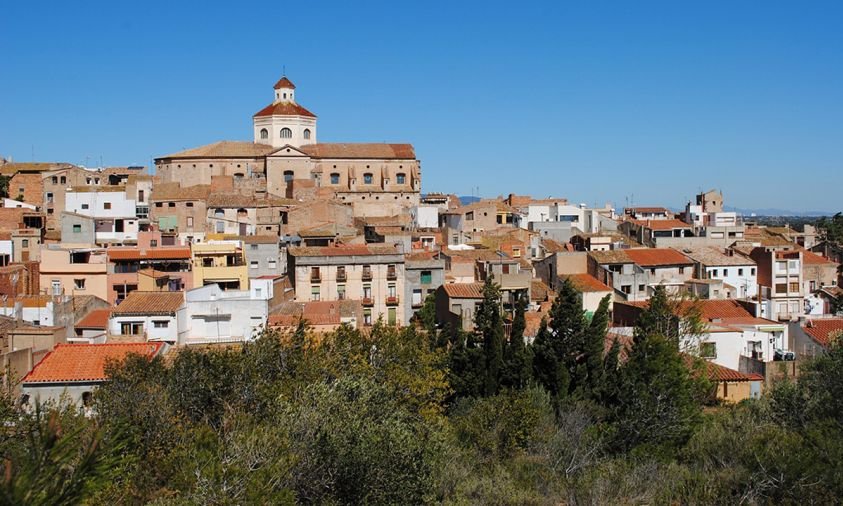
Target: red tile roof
point(167, 253)
point(84, 362)
point(286, 320)
point(360, 150)
point(717, 372)
point(655, 257)
point(824, 330)
point(661, 224)
point(811, 258)
point(147, 303)
point(587, 283)
point(284, 83)
point(645, 209)
point(284, 109)
point(464, 290)
point(347, 250)
point(96, 319)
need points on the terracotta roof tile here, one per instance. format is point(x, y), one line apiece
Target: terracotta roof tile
point(284, 109)
point(669, 224)
point(654, 257)
point(587, 283)
point(717, 372)
point(347, 250)
point(158, 253)
point(464, 290)
point(144, 303)
point(84, 362)
point(225, 149)
point(96, 319)
point(360, 150)
point(824, 330)
point(284, 83)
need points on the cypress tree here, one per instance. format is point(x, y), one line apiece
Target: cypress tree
point(517, 357)
point(547, 368)
point(594, 347)
point(488, 322)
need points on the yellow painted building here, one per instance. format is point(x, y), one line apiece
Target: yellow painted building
point(220, 263)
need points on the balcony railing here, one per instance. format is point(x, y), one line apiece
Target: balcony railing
point(391, 275)
point(392, 301)
point(341, 276)
point(368, 301)
point(315, 278)
point(367, 275)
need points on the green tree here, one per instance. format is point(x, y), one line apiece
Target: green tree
point(518, 367)
point(466, 364)
point(658, 397)
point(427, 315)
point(548, 370)
point(488, 323)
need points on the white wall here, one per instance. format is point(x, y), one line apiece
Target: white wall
point(169, 334)
point(426, 216)
point(746, 284)
point(216, 316)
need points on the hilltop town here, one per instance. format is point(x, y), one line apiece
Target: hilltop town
point(222, 241)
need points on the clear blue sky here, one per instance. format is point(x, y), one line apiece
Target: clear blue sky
point(594, 101)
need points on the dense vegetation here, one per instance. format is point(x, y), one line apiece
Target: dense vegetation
point(416, 416)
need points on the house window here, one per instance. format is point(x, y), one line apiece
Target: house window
point(77, 229)
point(469, 216)
point(84, 206)
point(335, 178)
point(367, 178)
point(681, 270)
point(171, 204)
point(220, 227)
point(740, 272)
point(641, 288)
point(752, 271)
point(49, 197)
point(131, 328)
point(253, 247)
point(272, 263)
point(24, 243)
point(627, 289)
point(79, 283)
point(314, 293)
point(157, 204)
point(207, 262)
point(794, 287)
point(63, 180)
point(286, 133)
point(781, 287)
point(190, 221)
point(189, 204)
point(153, 243)
point(161, 324)
point(264, 133)
point(714, 273)
point(426, 277)
point(254, 264)
point(306, 133)
point(708, 350)
point(340, 292)
point(55, 180)
point(106, 205)
point(400, 178)
point(367, 317)
point(725, 273)
point(288, 176)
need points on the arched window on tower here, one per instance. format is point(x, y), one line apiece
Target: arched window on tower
point(286, 133)
point(367, 178)
point(400, 178)
point(307, 133)
point(264, 133)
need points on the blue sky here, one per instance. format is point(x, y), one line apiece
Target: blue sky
point(594, 101)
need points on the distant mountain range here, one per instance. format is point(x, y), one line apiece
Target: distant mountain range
point(777, 212)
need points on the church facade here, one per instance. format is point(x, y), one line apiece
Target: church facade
point(285, 159)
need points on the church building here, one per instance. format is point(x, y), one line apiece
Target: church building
point(285, 159)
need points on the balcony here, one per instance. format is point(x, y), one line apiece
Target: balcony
point(315, 278)
point(418, 305)
point(368, 301)
point(341, 276)
point(367, 274)
point(391, 275)
point(392, 301)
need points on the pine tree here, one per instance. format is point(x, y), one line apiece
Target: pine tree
point(658, 399)
point(488, 322)
point(517, 356)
